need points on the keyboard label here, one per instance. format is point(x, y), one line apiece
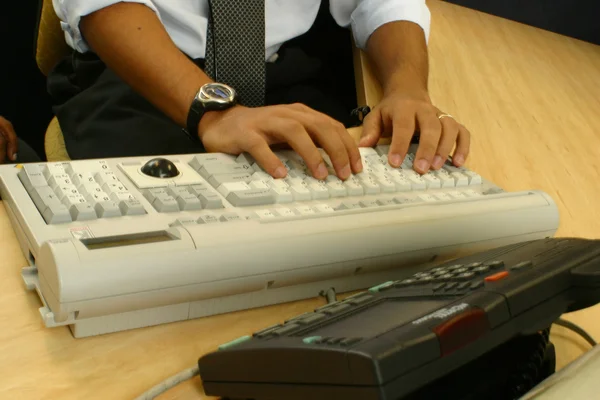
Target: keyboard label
point(442, 313)
point(81, 233)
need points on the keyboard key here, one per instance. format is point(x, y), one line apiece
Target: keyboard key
point(184, 221)
point(188, 202)
point(219, 179)
point(369, 183)
point(43, 197)
point(317, 188)
point(401, 182)
point(432, 181)
point(445, 178)
point(300, 191)
point(285, 212)
point(210, 201)
point(323, 208)
point(264, 214)
point(427, 198)
point(348, 205)
point(82, 212)
point(83, 178)
point(107, 209)
point(369, 203)
point(59, 180)
point(281, 191)
point(336, 187)
point(106, 177)
point(207, 219)
point(165, 204)
point(120, 196)
point(305, 210)
point(211, 169)
point(228, 217)
point(90, 189)
point(386, 202)
point(465, 276)
point(53, 169)
point(353, 187)
point(230, 187)
point(66, 190)
point(386, 185)
point(176, 191)
point(56, 214)
point(131, 207)
point(252, 197)
point(31, 176)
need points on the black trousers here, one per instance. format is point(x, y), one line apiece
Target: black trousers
point(101, 116)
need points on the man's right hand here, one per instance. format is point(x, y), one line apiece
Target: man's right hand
point(254, 130)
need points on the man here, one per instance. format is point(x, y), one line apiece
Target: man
point(147, 81)
point(12, 148)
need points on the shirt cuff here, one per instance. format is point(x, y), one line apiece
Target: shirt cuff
point(372, 14)
point(70, 12)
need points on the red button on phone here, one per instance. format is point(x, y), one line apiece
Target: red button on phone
point(496, 277)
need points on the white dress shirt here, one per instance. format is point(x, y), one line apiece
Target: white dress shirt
point(186, 20)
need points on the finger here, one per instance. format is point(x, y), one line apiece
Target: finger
point(403, 131)
point(431, 131)
point(294, 133)
point(372, 128)
point(329, 137)
point(449, 134)
point(11, 138)
point(353, 152)
point(463, 146)
point(328, 133)
point(258, 148)
point(2, 149)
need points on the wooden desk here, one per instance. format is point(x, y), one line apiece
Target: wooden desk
point(531, 101)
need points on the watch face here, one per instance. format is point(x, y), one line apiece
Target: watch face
point(217, 92)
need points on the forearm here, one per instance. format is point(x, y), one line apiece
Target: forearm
point(398, 51)
point(131, 40)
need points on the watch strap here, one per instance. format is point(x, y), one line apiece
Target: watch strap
point(197, 110)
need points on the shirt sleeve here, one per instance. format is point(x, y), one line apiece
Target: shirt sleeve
point(70, 12)
point(366, 16)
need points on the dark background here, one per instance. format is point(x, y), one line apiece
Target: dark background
point(576, 18)
point(24, 101)
point(23, 98)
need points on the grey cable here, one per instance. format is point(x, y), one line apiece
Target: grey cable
point(329, 295)
point(169, 383)
point(575, 328)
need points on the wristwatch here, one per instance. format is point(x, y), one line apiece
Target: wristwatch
point(210, 97)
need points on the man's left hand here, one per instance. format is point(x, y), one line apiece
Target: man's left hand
point(403, 112)
point(8, 141)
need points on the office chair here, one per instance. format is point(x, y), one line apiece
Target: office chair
point(51, 48)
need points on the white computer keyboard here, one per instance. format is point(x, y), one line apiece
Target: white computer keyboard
point(113, 248)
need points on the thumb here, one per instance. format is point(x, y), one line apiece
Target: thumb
point(372, 127)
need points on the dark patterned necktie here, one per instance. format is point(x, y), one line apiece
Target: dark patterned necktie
point(235, 48)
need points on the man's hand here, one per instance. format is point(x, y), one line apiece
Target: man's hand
point(399, 53)
point(399, 114)
point(253, 130)
point(8, 141)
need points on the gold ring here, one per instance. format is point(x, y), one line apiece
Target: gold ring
point(445, 116)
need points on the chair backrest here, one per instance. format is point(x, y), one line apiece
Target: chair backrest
point(368, 88)
point(50, 42)
point(51, 48)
